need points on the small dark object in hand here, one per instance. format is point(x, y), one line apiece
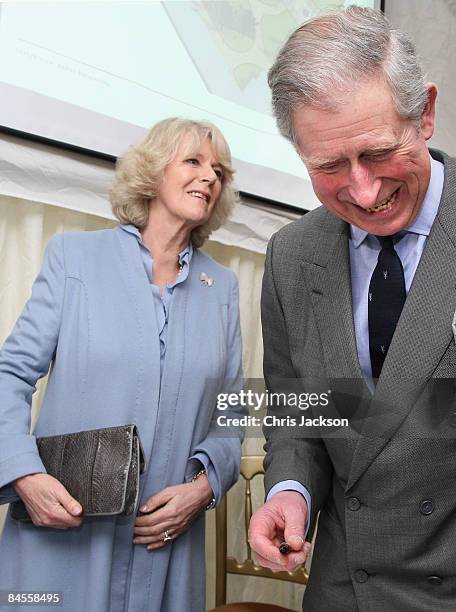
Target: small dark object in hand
point(284, 548)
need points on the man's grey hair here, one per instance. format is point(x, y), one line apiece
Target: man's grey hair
point(328, 55)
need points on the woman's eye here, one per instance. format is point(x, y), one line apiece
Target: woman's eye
point(218, 173)
point(193, 161)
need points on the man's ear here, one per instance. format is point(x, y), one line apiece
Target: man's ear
point(428, 117)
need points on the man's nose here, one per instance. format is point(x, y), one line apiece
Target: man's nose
point(363, 187)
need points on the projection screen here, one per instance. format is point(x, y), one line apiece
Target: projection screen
point(96, 75)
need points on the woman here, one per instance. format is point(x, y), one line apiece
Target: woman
point(140, 327)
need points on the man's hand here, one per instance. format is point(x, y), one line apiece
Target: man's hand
point(281, 519)
point(173, 510)
point(48, 502)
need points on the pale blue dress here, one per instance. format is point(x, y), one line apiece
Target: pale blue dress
point(94, 318)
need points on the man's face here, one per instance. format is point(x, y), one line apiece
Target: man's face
point(367, 165)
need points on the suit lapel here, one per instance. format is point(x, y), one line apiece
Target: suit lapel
point(422, 335)
point(328, 282)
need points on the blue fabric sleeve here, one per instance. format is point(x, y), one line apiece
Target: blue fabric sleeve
point(24, 359)
point(200, 461)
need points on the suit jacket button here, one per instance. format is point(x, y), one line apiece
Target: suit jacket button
point(354, 504)
point(362, 576)
point(427, 507)
point(435, 580)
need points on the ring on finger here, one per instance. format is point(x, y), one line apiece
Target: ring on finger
point(167, 537)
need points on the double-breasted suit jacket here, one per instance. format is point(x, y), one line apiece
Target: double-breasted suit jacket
point(91, 316)
point(385, 486)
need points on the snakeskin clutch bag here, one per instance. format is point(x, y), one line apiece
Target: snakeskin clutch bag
point(99, 468)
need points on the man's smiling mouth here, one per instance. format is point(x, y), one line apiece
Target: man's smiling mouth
point(384, 204)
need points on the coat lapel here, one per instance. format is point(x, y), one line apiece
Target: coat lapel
point(135, 278)
point(182, 306)
point(422, 335)
point(143, 311)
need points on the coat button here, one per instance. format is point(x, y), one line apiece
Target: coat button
point(427, 507)
point(354, 504)
point(435, 580)
point(362, 576)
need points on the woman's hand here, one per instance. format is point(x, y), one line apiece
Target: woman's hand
point(48, 502)
point(172, 510)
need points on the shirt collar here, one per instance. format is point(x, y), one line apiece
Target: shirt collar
point(423, 222)
point(185, 255)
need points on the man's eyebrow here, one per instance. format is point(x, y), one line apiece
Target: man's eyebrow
point(322, 161)
point(382, 148)
point(328, 161)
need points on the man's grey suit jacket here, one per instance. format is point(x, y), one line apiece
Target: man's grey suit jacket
point(385, 486)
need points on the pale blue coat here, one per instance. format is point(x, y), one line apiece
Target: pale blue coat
point(91, 316)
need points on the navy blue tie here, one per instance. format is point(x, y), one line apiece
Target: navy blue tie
point(386, 299)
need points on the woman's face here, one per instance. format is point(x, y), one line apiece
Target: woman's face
point(191, 185)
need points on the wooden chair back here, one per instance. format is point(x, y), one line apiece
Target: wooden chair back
point(251, 466)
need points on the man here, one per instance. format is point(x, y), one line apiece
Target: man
point(363, 290)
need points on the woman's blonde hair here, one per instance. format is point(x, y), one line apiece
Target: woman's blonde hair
point(139, 173)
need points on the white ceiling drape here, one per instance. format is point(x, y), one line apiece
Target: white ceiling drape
point(40, 173)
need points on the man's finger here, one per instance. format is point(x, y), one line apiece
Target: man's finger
point(295, 517)
point(262, 534)
point(295, 541)
point(288, 562)
point(295, 560)
point(264, 562)
point(266, 549)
